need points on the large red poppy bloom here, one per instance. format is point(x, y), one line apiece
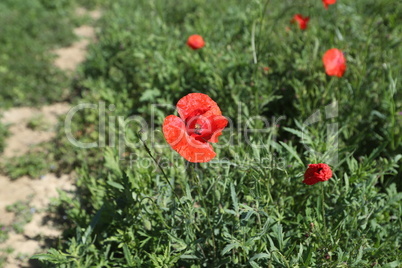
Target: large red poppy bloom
point(334, 62)
point(302, 21)
point(316, 173)
point(200, 123)
point(195, 41)
point(328, 2)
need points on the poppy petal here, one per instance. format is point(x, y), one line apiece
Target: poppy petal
point(302, 21)
point(218, 123)
point(328, 2)
point(195, 104)
point(190, 149)
point(316, 173)
point(334, 62)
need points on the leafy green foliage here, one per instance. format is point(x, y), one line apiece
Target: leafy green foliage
point(22, 214)
point(141, 65)
point(3, 233)
point(222, 218)
point(3, 135)
point(37, 123)
point(30, 30)
point(144, 206)
point(32, 164)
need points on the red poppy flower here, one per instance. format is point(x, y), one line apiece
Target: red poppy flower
point(302, 21)
point(316, 173)
point(328, 2)
point(334, 62)
point(200, 122)
point(195, 41)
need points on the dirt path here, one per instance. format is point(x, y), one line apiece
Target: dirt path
point(36, 193)
point(68, 58)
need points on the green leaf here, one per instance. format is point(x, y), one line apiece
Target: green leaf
point(234, 198)
point(293, 152)
point(127, 255)
point(260, 256)
point(229, 247)
point(115, 185)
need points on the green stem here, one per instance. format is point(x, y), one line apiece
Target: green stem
point(157, 163)
point(195, 178)
point(323, 208)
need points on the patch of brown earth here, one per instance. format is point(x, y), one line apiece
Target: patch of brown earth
point(23, 138)
point(68, 58)
point(37, 191)
point(37, 231)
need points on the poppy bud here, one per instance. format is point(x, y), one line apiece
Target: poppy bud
point(195, 41)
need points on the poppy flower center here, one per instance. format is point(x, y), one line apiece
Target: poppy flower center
point(199, 127)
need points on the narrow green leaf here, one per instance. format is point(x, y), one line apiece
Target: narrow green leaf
point(293, 152)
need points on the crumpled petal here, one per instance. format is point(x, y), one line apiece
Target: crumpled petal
point(302, 21)
point(219, 122)
point(190, 149)
point(316, 173)
point(195, 104)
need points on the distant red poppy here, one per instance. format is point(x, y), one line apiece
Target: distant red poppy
point(302, 21)
point(195, 41)
point(200, 122)
point(328, 2)
point(334, 62)
point(316, 173)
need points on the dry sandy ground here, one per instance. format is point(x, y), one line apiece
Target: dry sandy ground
point(68, 58)
point(37, 191)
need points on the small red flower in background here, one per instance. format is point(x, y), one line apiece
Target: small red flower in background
point(302, 21)
point(200, 122)
point(316, 173)
point(334, 62)
point(328, 2)
point(195, 41)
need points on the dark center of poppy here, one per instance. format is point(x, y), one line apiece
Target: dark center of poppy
point(199, 127)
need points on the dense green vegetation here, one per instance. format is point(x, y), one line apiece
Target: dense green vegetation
point(250, 209)
point(29, 31)
point(139, 204)
point(3, 135)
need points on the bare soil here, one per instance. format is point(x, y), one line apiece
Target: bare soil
point(38, 192)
